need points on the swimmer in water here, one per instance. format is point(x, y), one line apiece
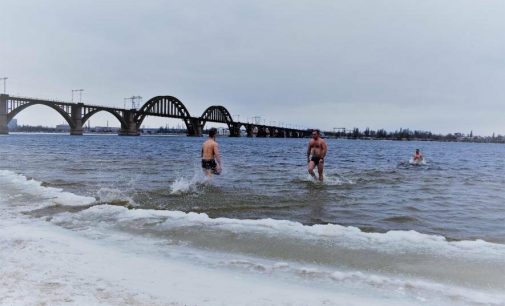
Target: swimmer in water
point(418, 156)
point(211, 159)
point(316, 151)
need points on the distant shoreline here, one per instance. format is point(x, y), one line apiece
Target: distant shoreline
point(478, 139)
point(464, 139)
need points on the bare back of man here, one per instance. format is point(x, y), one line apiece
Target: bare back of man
point(316, 152)
point(211, 158)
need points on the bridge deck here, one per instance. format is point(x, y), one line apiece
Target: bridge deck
point(131, 119)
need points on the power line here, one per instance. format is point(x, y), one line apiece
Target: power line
point(80, 94)
point(5, 81)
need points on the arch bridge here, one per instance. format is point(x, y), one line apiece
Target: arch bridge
point(77, 114)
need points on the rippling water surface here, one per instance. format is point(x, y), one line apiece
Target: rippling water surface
point(431, 234)
point(458, 194)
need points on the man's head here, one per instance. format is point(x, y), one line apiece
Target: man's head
point(417, 151)
point(316, 133)
point(212, 132)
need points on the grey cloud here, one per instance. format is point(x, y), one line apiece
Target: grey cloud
point(420, 64)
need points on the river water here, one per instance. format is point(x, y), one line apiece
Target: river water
point(431, 234)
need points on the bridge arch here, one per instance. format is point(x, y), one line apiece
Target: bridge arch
point(24, 106)
point(86, 117)
point(249, 128)
point(217, 113)
point(164, 106)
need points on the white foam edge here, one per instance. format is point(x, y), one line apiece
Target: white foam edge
point(417, 287)
point(348, 236)
point(82, 268)
point(352, 237)
point(18, 183)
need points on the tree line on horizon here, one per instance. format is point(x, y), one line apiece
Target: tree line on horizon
point(407, 134)
point(356, 133)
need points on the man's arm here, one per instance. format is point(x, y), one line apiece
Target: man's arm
point(308, 151)
point(325, 149)
point(217, 155)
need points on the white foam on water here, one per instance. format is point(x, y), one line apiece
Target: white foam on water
point(113, 196)
point(337, 180)
point(46, 265)
point(348, 236)
point(417, 163)
point(391, 241)
point(330, 179)
point(418, 288)
point(389, 255)
point(183, 185)
point(12, 184)
point(43, 263)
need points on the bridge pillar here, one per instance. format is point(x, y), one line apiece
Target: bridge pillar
point(261, 132)
point(234, 130)
point(249, 130)
point(76, 116)
point(195, 128)
point(282, 133)
point(4, 129)
point(131, 128)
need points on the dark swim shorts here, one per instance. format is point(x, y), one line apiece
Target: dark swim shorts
point(209, 164)
point(316, 160)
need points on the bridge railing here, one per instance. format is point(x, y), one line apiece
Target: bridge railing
point(67, 103)
point(111, 108)
point(39, 99)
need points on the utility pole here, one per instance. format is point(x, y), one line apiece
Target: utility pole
point(80, 94)
point(5, 81)
point(135, 101)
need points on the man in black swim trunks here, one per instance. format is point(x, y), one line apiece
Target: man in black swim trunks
point(211, 159)
point(316, 152)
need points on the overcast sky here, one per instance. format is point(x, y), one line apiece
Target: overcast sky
point(434, 65)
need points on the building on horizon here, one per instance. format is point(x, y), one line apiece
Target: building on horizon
point(63, 128)
point(103, 129)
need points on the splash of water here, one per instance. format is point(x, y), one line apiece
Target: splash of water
point(183, 185)
point(114, 196)
point(417, 162)
point(333, 179)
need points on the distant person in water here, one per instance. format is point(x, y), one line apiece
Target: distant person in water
point(418, 156)
point(211, 159)
point(316, 151)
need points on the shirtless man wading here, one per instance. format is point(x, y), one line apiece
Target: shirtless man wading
point(211, 159)
point(316, 152)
